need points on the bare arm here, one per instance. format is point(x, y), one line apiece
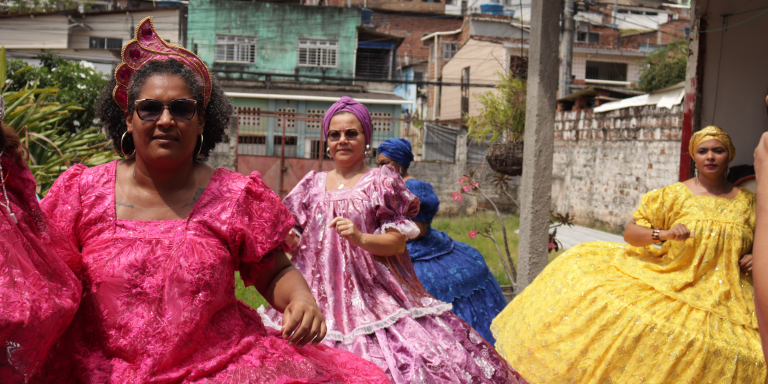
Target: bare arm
point(760, 247)
point(286, 290)
point(640, 236)
point(391, 243)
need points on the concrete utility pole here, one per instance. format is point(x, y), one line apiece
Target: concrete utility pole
point(536, 182)
point(566, 49)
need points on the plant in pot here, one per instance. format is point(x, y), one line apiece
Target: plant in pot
point(501, 123)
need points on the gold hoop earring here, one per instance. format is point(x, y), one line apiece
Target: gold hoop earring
point(123, 150)
point(367, 150)
point(201, 145)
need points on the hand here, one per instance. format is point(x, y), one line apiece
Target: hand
point(761, 157)
point(679, 232)
point(347, 229)
point(746, 263)
point(303, 318)
point(292, 240)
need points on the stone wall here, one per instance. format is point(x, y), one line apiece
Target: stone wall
point(604, 162)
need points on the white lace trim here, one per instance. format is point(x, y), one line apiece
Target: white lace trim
point(367, 329)
point(406, 227)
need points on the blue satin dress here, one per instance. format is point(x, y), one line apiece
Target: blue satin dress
point(452, 271)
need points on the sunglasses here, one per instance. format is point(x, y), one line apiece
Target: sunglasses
point(349, 134)
point(151, 110)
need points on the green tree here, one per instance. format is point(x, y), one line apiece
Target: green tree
point(665, 67)
point(503, 113)
point(77, 82)
point(33, 6)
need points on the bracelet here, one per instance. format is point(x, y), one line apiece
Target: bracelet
point(655, 236)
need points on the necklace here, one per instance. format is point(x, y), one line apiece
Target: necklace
point(7, 204)
point(341, 185)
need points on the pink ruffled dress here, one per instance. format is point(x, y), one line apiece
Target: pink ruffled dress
point(159, 303)
point(374, 306)
point(39, 294)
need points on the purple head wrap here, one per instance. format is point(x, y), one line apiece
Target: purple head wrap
point(348, 104)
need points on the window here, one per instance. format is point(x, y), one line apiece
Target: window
point(313, 149)
point(597, 70)
point(588, 37)
point(249, 118)
point(252, 145)
point(318, 53)
point(381, 125)
point(449, 49)
point(235, 49)
point(518, 67)
point(651, 13)
point(104, 43)
point(315, 114)
point(418, 76)
point(290, 124)
point(624, 11)
point(290, 145)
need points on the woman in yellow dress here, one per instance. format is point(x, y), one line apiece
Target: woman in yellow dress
point(683, 313)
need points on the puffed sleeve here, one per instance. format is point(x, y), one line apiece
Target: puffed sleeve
point(652, 213)
point(258, 226)
point(297, 201)
point(395, 204)
point(63, 208)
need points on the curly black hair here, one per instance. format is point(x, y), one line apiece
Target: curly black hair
point(217, 113)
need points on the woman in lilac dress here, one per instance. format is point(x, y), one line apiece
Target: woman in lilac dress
point(162, 235)
point(39, 294)
point(353, 223)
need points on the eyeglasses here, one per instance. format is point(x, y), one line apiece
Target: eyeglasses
point(349, 134)
point(151, 110)
point(383, 163)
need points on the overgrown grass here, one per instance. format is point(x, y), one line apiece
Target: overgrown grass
point(458, 228)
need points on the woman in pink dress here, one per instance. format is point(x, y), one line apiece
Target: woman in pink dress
point(353, 223)
point(39, 294)
point(162, 235)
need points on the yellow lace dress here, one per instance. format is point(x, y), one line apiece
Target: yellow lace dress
point(612, 313)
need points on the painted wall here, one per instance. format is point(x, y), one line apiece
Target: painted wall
point(278, 27)
point(634, 64)
point(639, 146)
point(482, 71)
point(735, 76)
point(120, 25)
point(41, 32)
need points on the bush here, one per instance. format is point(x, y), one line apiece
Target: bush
point(665, 67)
point(75, 82)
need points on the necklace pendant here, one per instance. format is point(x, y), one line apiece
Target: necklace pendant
point(340, 186)
point(13, 216)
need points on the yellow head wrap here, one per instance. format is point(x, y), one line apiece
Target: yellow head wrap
point(712, 132)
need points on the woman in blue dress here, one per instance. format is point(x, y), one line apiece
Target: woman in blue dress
point(450, 270)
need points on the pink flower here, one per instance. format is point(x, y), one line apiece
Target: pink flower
point(552, 245)
point(473, 233)
point(456, 195)
point(466, 188)
point(463, 179)
point(475, 184)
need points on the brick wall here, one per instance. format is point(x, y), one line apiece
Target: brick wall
point(413, 27)
point(605, 162)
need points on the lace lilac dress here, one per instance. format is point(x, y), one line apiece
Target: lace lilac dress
point(159, 303)
point(39, 294)
point(375, 306)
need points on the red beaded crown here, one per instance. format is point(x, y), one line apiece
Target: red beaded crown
point(148, 46)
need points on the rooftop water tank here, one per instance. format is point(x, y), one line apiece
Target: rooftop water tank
point(367, 16)
point(492, 8)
